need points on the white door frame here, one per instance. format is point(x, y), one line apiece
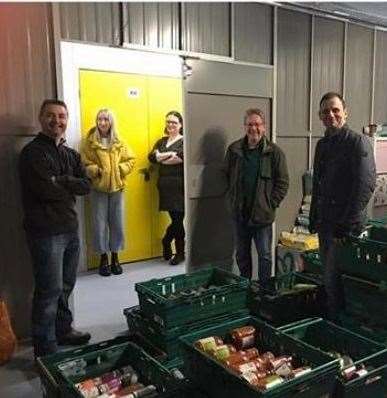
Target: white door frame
point(77, 56)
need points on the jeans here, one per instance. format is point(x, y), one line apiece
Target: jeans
point(262, 237)
point(55, 261)
point(107, 216)
point(332, 276)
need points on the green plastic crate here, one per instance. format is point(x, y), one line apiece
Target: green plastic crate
point(47, 366)
point(167, 340)
point(366, 299)
point(228, 294)
point(279, 303)
point(312, 262)
point(364, 257)
point(218, 381)
point(328, 337)
point(102, 358)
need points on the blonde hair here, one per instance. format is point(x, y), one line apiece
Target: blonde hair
point(113, 137)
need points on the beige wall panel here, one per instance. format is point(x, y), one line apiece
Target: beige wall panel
point(253, 32)
point(380, 115)
point(296, 151)
point(358, 75)
point(293, 73)
point(328, 61)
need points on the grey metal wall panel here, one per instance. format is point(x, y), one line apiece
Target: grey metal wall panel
point(207, 28)
point(152, 24)
point(359, 75)
point(381, 78)
point(293, 73)
point(92, 22)
point(328, 62)
point(230, 79)
point(253, 32)
point(27, 77)
point(296, 151)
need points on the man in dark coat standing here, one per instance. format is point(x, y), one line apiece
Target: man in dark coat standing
point(51, 176)
point(258, 181)
point(344, 179)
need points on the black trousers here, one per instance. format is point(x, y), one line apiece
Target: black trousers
point(175, 229)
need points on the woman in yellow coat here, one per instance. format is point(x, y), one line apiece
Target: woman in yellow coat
point(108, 161)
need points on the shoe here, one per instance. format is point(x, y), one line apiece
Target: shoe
point(104, 267)
point(74, 337)
point(167, 249)
point(177, 259)
point(116, 267)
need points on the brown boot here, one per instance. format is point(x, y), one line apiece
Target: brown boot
point(179, 256)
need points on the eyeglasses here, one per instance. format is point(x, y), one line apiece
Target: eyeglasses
point(171, 122)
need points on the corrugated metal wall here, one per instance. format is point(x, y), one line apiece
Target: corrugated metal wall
point(358, 75)
point(152, 24)
point(293, 73)
point(380, 78)
point(253, 33)
point(27, 77)
point(92, 22)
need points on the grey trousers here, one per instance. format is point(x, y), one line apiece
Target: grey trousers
point(107, 221)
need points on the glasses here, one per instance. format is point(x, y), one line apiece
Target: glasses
point(171, 122)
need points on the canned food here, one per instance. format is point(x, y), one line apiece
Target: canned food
point(243, 337)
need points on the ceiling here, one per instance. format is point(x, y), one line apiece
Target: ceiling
point(374, 13)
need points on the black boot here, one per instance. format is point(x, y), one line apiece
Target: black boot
point(167, 249)
point(116, 267)
point(179, 256)
point(104, 267)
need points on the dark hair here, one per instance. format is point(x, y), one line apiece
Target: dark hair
point(330, 95)
point(178, 115)
point(254, 111)
point(47, 102)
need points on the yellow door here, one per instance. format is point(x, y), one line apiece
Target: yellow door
point(138, 104)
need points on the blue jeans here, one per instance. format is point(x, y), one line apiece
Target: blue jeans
point(332, 275)
point(262, 237)
point(107, 215)
point(55, 261)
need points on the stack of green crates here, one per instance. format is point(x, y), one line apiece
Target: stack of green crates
point(287, 298)
point(219, 381)
point(331, 338)
point(167, 340)
point(172, 306)
point(59, 372)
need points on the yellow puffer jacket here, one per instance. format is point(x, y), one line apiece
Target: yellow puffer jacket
point(107, 167)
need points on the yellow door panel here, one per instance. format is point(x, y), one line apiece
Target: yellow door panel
point(165, 94)
point(139, 104)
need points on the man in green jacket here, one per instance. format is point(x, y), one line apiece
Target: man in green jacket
point(258, 181)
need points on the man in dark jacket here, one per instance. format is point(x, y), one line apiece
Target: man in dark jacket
point(344, 179)
point(258, 181)
point(51, 175)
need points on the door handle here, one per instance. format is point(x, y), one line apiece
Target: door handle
point(145, 172)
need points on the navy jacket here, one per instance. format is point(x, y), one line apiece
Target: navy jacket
point(344, 179)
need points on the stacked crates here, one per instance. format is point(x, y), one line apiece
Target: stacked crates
point(287, 298)
point(366, 372)
point(173, 306)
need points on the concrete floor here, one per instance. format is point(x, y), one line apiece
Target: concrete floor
point(98, 306)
